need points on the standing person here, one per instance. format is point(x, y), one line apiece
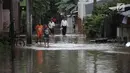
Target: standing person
point(51, 27)
point(64, 25)
point(46, 36)
point(39, 31)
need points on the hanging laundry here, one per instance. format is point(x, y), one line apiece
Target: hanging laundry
point(124, 21)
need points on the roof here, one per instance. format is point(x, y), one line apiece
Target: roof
point(126, 13)
point(127, 7)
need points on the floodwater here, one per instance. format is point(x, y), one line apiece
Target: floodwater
point(81, 61)
point(114, 59)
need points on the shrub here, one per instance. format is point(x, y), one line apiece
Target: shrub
point(92, 25)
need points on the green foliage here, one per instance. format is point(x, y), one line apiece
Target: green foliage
point(40, 7)
point(104, 8)
point(43, 10)
point(124, 1)
point(67, 5)
point(92, 25)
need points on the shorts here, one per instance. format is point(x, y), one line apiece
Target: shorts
point(46, 38)
point(52, 30)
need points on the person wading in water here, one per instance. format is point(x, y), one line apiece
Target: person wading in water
point(64, 25)
point(39, 31)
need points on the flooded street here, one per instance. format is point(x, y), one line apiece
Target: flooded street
point(40, 61)
point(72, 55)
point(64, 36)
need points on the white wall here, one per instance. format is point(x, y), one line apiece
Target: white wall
point(82, 9)
point(70, 25)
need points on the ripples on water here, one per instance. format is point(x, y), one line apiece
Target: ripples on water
point(35, 61)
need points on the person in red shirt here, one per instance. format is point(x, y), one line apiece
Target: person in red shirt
point(39, 31)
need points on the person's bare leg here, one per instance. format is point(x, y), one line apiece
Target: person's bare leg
point(37, 39)
point(47, 44)
point(40, 40)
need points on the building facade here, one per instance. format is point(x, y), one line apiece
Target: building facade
point(1, 10)
point(8, 8)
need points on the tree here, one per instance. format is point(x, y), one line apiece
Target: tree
point(43, 10)
point(92, 25)
point(94, 22)
point(94, 4)
point(67, 5)
point(124, 1)
point(40, 7)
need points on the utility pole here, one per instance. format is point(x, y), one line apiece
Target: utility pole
point(29, 21)
point(81, 14)
point(11, 35)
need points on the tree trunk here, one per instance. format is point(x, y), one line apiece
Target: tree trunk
point(94, 4)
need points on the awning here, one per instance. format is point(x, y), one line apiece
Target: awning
point(127, 7)
point(113, 8)
point(126, 13)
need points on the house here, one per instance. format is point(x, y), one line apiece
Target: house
point(123, 28)
point(85, 8)
point(8, 8)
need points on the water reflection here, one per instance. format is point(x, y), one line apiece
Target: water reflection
point(39, 61)
point(68, 39)
point(81, 62)
point(68, 62)
point(123, 63)
point(39, 57)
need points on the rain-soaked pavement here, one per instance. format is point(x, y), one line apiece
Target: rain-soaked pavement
point(71, 54)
